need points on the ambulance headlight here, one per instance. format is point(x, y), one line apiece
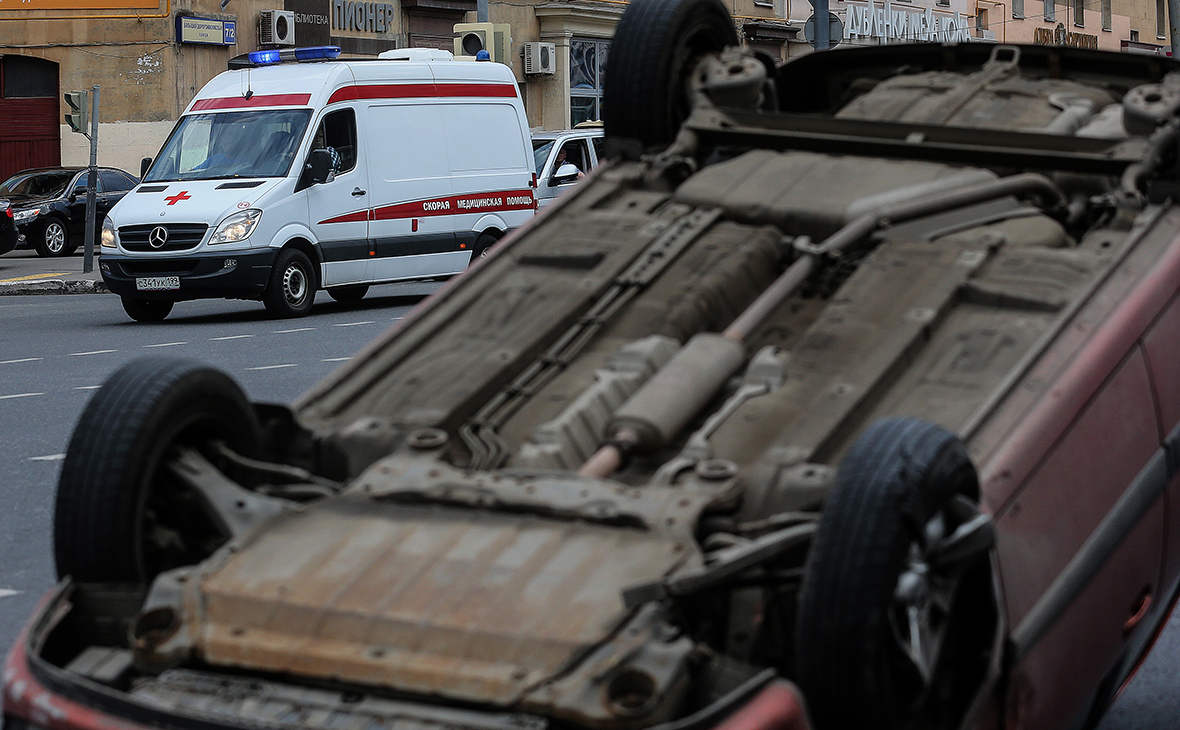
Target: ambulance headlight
point(106, 237)
point(237, 227)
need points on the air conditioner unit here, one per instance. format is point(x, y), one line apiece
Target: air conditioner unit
point(539, 59)
point(276, 28)
point(495, 38)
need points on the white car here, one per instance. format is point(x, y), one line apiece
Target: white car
point(583, 150)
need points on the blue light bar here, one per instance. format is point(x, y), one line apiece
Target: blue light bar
point(317, 53)
point(261, 58)
point(312, 53)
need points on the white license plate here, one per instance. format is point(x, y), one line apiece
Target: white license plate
point(157, 283)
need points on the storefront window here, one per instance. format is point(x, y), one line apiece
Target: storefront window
point(587, 66)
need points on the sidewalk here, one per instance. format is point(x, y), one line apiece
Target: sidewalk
point(24, 272)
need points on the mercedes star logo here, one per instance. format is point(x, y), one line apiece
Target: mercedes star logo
point(158, 237)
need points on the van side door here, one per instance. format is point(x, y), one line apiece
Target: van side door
point(412, 230)
point(339, 209)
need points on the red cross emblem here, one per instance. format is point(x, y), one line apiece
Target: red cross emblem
point(174, 199)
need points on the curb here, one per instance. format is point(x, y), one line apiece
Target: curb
point(53, 286)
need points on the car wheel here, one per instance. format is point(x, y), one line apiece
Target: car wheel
point(292, 285)
point(349, 293)
point(147, 310)
point(120, 516)
point(656, 46)
point(898, 611)
point(53, 239)
point(482, 246)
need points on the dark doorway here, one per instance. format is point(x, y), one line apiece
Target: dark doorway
point(30, 132)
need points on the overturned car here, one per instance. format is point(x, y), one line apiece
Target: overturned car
point(843, 396)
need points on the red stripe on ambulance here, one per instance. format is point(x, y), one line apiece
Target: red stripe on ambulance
point(454, 205)
point(241, 102)
point(421, 91)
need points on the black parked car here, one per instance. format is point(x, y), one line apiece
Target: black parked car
point(49, 204)
point(8, 234)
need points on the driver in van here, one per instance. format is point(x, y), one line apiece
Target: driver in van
point(319, 142)
point(561, 160)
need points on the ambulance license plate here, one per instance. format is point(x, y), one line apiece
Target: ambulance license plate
point(157, 283)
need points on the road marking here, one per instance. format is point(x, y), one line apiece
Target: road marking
point(9, 593)
point(274, 367)
point(351, 324)
point(92, 352)
point(19, 395)
point(23, 359)
point(300, 329)
point(335, 359)
point(48, 457)
point(31, 277)
point(167, 344)
point(88, 387)
point(230, 337)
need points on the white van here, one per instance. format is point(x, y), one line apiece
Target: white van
point(284, 178)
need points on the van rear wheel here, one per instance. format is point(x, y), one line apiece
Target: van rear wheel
point(292, 285)
point(483, 245)
point(147, 310)
point(349, 293)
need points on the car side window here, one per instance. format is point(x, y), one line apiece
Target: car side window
point(599, 143)
point(80, 184)
point(337, 131)
point(577, 154)
point(113, 181)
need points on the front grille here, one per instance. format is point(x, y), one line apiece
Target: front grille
point(162, 267)
point(181, 236)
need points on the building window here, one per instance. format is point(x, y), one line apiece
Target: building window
point(1079, 13)
point(1050, 10)
point(1017, 8)
point(1135, 36)
point(587, 64)
point(981, 20)
point(1106, 15)
point(1161, 22)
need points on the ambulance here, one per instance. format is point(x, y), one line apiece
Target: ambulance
point(295, 172)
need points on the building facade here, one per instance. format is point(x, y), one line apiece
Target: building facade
point(149, 57)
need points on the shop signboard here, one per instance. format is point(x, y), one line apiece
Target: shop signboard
point(312, 22)
point(903, 22)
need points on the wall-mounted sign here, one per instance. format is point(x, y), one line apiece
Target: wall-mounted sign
point(79, 4)
point(312, 23)
point(894, 23)
point(1059, 37)
point(206, 30)
point(362, 16)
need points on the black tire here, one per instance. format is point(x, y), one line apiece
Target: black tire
point(120, 515)
point(656, 46)
point(482, 246)
point(349, 293)
point(901, 492)
point(147, 310)
point(53, 239)
point(292, 285)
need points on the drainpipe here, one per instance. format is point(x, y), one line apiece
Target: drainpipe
point(1174, 26)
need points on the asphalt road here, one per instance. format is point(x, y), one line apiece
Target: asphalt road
point(56, 350)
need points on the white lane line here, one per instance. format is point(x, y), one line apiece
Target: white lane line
point(298, 329)
point(92, 352)
point(230, 337)
point(352, 324)
point(48, 457)
point(88, 387)
point(274, 367)
point(19, 395)
point(335, 359)
point(9, 593)
point(167, 344)
point(23, 359)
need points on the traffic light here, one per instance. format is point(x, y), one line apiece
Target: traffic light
point(78, 116)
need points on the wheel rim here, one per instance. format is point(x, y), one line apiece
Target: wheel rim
point(295, 285)
point(953, 540)
point(55, 237)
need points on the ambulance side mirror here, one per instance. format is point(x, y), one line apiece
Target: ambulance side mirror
point(144, 164)
point(320, 163)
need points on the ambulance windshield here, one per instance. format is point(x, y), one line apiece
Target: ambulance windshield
point(258, 143)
